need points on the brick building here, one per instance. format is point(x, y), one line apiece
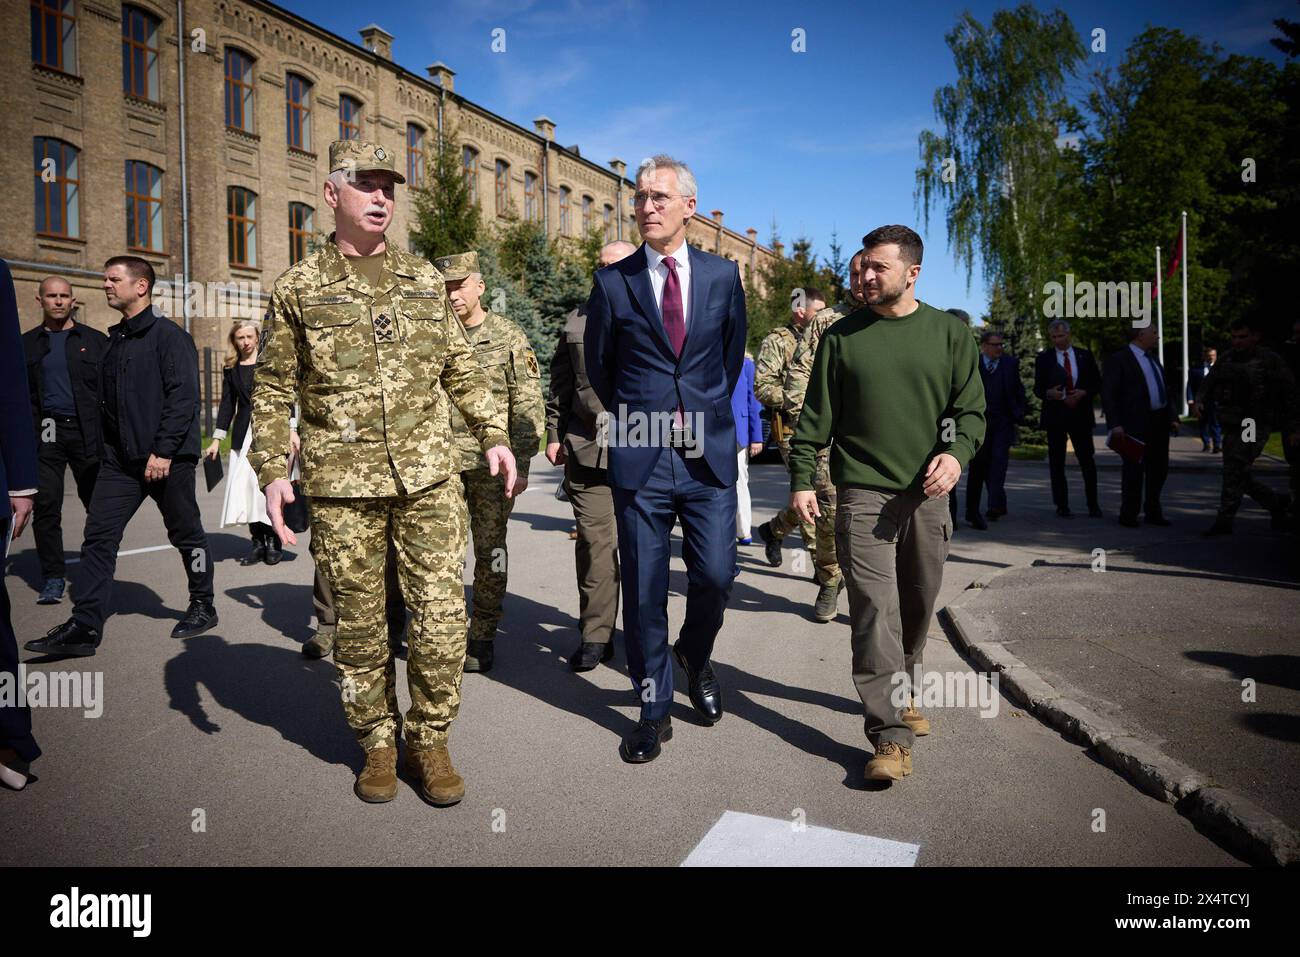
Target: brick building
point(94, 108)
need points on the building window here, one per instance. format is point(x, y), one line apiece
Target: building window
point(530, 197)
point(241, 226)
point(588, 215)
point(300, 231)
point(502, 186)
point(297, 112)
point(54, 34)
point(58, 188)
point(469, 160)
point(609, 223)
point(564, 210)
point(140, 54)
point(144, 222)
point(414, 156)
point(349, 118)
point(239, 90)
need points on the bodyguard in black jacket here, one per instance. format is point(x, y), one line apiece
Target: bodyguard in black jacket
point(1067, 380)
point(149, 405)
point(1136, 399)
point(63, 358)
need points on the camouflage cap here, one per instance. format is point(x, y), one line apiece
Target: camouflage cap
point(457, 267)
point(360, 157)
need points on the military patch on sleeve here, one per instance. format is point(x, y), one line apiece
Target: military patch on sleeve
point(268, 326)
point(530, 362)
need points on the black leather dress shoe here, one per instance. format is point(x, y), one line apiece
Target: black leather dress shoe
point(1094, 511)
point(590, 654)
point(994, 514)
point(1128, 522)
point(1158, 520)
point(1064, 511)
point(71, 639)
point(642, 744)
point(199, 618)
point(977, 522)
point(703, 688)
point(256, 555)
point(273, 550)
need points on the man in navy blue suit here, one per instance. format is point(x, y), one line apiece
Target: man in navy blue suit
point(18, 491)
point(1005, 405)
point(665, 342)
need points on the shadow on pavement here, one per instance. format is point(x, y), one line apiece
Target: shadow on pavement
point(274, 687)
point(286, 608)
point(1282, 671)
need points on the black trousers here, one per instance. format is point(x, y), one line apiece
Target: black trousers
point(1149, 476)
point(119, 491)
point(989, 466)
point(1079, 432)
point(65, 449)
point(15, 722)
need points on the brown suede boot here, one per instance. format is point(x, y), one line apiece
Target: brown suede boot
point(919, 724)
point(377, 781)
point(892, 762)
point(439, 782)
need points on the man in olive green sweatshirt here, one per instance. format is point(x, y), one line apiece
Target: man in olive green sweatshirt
point(896, 392)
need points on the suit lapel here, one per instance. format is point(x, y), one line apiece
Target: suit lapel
point(637, 276)
point(697, 284)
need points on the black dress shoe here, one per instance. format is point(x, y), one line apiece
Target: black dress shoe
point(1159, 520)
point(590, 654)
point(1128, 522)
point(256, 555)
point(977, 522)
point(200, 617)
point(703, 688)
point(71, 639)
point(994, 514)
point(1094, 511)
point(771, 545)
point(273, 550)
point(1064, 511)
point(642, 744)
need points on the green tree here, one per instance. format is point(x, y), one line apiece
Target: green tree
point(447, 219)
point(998, 163)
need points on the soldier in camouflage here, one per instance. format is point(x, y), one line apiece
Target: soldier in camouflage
point(1254, 394)
point(502, 349)
point(829, 579)
point(773, 361)
point(363, 337)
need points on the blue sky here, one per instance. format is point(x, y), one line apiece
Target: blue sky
point(821, 140)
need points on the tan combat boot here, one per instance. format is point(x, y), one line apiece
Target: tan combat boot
point(321, 643)
point(892, 762)
point(919, 724)
point(377, 781)
point(439, 782)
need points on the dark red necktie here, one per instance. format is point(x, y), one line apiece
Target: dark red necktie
point(674, 321)
point(1069, 373)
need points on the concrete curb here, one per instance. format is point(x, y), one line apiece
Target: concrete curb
point(1242, 825)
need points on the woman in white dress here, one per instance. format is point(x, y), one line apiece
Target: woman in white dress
point(244, 503)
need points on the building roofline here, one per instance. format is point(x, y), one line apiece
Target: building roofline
point(430, 86)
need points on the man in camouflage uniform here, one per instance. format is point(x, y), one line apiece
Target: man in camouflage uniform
point(363, 337)
point(796, 384)
point(502, 349)
point(1255, 394)
point(774, 356)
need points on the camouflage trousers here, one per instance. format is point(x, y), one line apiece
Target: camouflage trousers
point(489, 510)
point(818, 536)
point(1238, 481)
point(349, 541)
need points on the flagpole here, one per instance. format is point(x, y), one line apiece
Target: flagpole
point(1185, 335)
point(1160, 309)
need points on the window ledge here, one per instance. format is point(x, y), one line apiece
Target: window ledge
point(296, 153)
point(238, 134)
point(50, 239)
point(52, 73)
point(152, 106)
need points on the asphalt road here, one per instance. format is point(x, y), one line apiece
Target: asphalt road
point(230, 748)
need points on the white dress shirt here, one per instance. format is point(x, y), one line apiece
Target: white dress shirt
point(659, 276)
point(1148, 373)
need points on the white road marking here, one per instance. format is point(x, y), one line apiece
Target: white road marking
point(129, 551)
point(748, 840)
